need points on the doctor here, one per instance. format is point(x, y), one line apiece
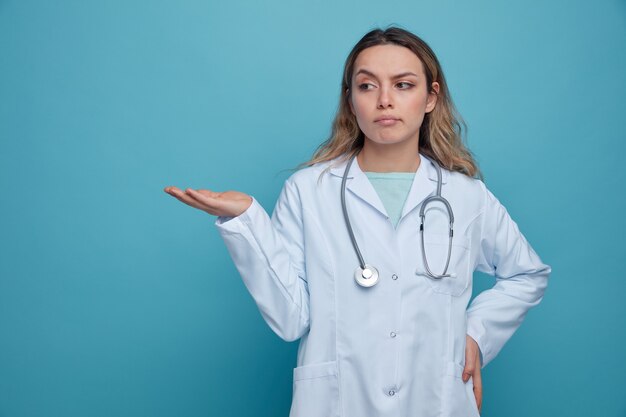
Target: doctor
point(408, 344)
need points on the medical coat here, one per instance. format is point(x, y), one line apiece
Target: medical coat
point(397, 348)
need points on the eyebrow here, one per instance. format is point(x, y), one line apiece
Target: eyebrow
point(371, 74)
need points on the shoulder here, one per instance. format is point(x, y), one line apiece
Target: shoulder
point(466, 184)
point(477, 190)
point(309, 176)
point(470, 192)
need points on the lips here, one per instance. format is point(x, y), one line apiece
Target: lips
point(385, 118)
point(386, 121)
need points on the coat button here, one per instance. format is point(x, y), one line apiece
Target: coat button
point(392, 392)
point(392, 334)
point(394, 277)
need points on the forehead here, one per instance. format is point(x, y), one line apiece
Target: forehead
point(388, 60)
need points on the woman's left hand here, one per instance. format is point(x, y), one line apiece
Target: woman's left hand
point(472, 368)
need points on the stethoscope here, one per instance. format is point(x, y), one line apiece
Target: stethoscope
point(367, 275)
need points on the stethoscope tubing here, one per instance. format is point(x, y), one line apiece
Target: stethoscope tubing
point(345, 213)
point(368, 275)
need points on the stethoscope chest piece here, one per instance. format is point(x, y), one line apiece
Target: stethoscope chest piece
point(366, 277)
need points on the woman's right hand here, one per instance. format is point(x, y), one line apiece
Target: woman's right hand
point(226, 203)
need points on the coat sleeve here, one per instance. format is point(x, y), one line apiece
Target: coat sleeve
point(269, 256)
point(521, 280)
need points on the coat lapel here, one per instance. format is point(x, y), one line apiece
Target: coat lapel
point(358, 183)
point(424, 184)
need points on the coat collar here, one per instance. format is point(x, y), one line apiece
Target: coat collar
point(424, 184)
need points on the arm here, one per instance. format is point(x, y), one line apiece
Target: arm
point(269, 255)
point(521, 279)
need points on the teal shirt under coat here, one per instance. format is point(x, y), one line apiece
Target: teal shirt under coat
point(393, 189)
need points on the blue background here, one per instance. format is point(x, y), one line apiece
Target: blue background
point(118, 300)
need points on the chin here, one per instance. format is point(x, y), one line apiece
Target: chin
point(390, 139)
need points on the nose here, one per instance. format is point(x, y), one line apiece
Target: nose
point(384, 98)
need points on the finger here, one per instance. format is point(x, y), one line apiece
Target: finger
point(478, 388)
point(479, 401)
point(470, 362)
point(185, 198)
point(172, 190)
point(207, 198)
point(213, 194)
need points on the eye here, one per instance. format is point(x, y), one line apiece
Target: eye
point(361, 86)
point(409, 85)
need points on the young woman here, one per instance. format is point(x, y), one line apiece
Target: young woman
point(369, 253)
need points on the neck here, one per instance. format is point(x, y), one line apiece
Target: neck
point(399, 157)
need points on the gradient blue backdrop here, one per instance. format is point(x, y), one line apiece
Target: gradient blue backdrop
point(118, 300)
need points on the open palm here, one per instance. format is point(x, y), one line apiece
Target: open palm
point(225, 203)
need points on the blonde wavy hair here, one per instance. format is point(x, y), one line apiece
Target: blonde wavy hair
point(440, 136)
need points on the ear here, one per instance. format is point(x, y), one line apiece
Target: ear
point(432, 97)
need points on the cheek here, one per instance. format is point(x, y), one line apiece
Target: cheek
point(358, 109)
point(417, 102)
point(417, 110)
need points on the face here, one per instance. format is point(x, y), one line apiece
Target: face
point(389, 81)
